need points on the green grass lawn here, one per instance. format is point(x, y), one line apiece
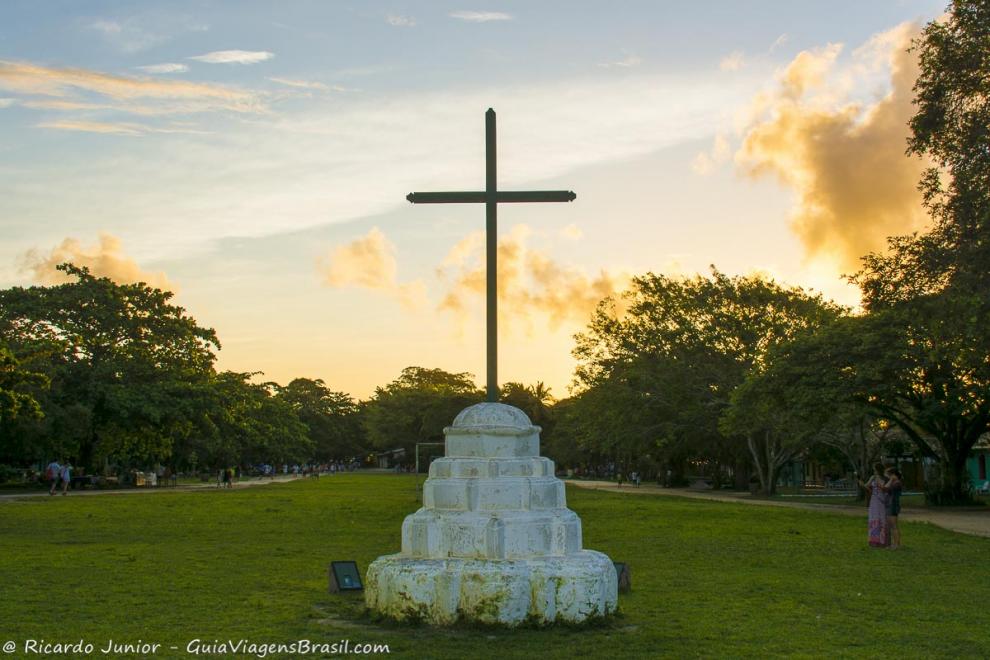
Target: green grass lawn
point(709, 579)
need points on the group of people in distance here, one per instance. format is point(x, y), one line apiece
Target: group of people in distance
point(225, 478)
point(55, 473)
point(884, 490)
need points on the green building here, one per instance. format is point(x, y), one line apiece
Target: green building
point(976, 464)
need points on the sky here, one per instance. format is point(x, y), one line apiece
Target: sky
point(254, 159)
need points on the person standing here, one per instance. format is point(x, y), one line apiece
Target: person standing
point(52, 473)
point(893, 488)
point(66, 477)
point(879, 532)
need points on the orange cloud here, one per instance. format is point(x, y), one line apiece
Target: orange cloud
point(855, 186)
point(175, 95)
point(530, 283)
point(105, 259)
point(369, 262)
point(115, 128)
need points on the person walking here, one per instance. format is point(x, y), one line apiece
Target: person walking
point(66, 475)
point(52, 473)
point(879, 533)
point(893, 489)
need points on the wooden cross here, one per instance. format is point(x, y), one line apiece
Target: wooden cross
point(491, 197)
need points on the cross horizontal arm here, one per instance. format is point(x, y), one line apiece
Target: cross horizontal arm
point(502, 197)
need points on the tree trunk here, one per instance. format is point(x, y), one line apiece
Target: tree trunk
point(766, 462)
point(742, 472)
point(771, 488)
point(756, 461)
point(950, 484)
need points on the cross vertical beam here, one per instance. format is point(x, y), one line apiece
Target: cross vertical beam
point(491, 254)
point(491, 196)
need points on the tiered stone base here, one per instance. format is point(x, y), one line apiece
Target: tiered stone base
point(494, 542)
point(541, 590)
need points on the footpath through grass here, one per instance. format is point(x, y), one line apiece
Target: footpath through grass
point(913, 501)
point(709, 579)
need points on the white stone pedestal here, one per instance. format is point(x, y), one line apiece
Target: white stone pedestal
point(494, 541)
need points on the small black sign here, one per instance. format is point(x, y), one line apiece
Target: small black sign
point(345, 576)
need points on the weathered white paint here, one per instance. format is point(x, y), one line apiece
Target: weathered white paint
point(494, 541)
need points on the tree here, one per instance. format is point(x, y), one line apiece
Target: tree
point(120, 358)
point(18, 403)
point(774, 434)
point(952, 128)
point(565, 445)
point(416, 407)
point(229, 420)
point(14, 402)
point(332, 418)
point(661, 374)
point(861, 437)
point(801, 399)
point(927, 371)
point(906, 365)
point(930, 293)
point(534, 400)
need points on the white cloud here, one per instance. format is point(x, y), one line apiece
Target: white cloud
point(572, 232)
point(779, 41)
point(481, 16)
point(628, 61)
point(6, 103)
point(301, 84)
point(128, 36)
point(358, 155)
point(707, 161)
point(168, 67)
point(142, 31)
point(234, 57)
point(733, 61)
point(400, 21)
point(107, 27)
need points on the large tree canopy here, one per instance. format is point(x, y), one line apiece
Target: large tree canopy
point(120, 359)
point(660, 373)
point(929, 294)
point(951, 129)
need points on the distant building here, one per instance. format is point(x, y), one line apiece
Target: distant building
point(391, 458)
point(976, 464)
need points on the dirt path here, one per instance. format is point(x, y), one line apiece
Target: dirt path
point(93, 492)
point(975, 522)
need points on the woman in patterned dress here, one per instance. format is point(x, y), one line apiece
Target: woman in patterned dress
point(879, 532)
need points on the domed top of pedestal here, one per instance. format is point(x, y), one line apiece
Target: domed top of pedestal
point(491, 415)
